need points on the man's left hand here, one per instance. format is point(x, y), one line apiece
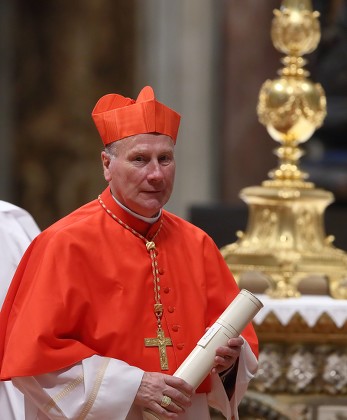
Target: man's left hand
point(226, 356)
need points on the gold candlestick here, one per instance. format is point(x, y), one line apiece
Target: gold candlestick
point(292, 107)
point(285, 240)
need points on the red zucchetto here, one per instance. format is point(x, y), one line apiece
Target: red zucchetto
point(117, 117)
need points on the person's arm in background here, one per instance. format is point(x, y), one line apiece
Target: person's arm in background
point(17, 230)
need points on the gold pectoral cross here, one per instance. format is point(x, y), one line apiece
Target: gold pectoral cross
point(161, 342)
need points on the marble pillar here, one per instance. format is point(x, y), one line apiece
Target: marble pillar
point(177, 44)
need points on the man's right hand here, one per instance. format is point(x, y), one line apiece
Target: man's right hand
point(154, 386)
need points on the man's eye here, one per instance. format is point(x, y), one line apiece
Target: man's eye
point(165, 159)
point(139, 159)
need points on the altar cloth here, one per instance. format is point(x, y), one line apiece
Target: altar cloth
point(310, 308)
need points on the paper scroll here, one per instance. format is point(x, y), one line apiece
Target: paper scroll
point(230, 324)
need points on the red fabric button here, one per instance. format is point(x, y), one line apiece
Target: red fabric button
point(180, 346)
point(166, 289)
point(171, 309)
point(161, 271)
point(175, 328)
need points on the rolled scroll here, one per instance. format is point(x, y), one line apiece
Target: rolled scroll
point(230, 324)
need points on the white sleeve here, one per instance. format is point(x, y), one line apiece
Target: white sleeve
point(11, 402)
point(96, 388)
point(217, 398)
point(17, 230)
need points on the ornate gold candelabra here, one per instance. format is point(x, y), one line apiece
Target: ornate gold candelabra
point(285, 240)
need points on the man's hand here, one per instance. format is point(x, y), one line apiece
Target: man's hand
point(226, 356)
point(155, 385)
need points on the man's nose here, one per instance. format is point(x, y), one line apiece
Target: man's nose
point(155, 171)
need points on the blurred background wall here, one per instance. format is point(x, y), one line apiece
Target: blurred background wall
point(205, 58)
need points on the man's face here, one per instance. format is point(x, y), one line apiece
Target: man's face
point(141, 174)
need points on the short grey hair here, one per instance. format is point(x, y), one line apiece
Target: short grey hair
point(112, 149)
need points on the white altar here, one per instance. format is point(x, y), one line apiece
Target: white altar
point(303, 360)
point(310, 308)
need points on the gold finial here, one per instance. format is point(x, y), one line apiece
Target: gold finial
point(292, 107)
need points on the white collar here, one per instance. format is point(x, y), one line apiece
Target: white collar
point(150, 220)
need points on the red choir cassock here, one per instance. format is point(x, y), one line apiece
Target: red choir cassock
point(85, 287)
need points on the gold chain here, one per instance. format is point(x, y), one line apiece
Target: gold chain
point(150, 246)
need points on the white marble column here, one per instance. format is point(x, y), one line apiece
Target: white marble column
point(176, 55)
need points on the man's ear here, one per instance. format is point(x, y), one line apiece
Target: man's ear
point(106, 161)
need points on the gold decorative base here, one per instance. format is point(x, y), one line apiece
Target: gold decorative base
point(301, 373)
point(285, 243)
